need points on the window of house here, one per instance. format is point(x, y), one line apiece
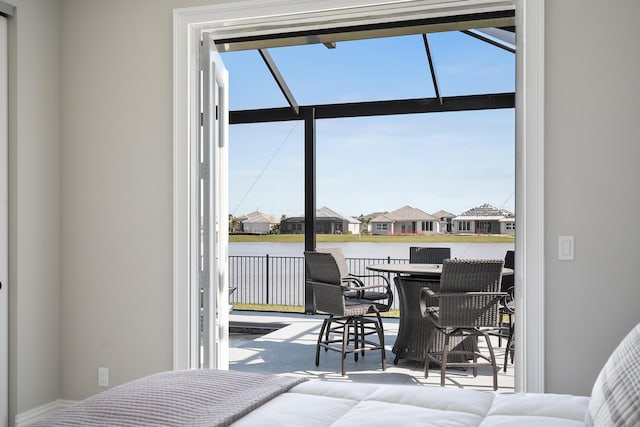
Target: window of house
point(381, 227)
point(464, 226)
point(483, 227)
point(427, 226)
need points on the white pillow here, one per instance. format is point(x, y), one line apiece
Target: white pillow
point(615, 398)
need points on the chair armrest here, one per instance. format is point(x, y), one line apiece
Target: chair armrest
point(352, 280)
point(465, 294)
point(370, 276)
point(315, 282)
point(430, 292)
point(385, 284)
point(361, 288)
point(428, 302)
point(344, 287)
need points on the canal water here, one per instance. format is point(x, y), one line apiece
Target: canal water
point(370, 250)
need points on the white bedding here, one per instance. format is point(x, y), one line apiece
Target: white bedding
point(322, 403)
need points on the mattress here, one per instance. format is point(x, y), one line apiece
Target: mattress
point(336, 404)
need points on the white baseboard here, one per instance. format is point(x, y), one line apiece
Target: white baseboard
point(32, 415)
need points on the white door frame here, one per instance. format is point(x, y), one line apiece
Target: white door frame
point(4, 226)
point(256, 17)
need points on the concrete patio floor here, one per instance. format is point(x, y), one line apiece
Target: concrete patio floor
point(291, 351)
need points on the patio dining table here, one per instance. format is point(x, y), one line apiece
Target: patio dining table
point(419, 270)
point(413, 329)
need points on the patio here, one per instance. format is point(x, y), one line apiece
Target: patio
point(291, 351)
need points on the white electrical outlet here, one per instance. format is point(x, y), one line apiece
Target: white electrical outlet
point(103, 377)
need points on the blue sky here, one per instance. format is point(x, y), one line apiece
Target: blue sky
point(451, 161)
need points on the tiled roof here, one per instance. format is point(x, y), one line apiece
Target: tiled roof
point(405, 213)
point(485, 211)
point(443, 214)
point(382, 218)
point(325, 212)
point(259, 217)
point(373, 215)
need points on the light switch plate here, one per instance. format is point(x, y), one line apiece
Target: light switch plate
point(566, 248)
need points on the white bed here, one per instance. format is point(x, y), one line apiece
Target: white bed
point(216, 398)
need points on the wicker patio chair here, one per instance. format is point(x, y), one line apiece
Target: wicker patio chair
point(428, 255)
point(507, 306)
point(468, 302)
point(414, 330)
point(508, 309)
point(381, 292)
point(347, 328)
point(509, 262)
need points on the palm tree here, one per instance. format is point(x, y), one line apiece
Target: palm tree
point(364, 224)
point(234, 224)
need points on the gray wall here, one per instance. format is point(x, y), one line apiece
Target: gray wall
point(592, 149)
point(34, 203)
point(91, 197)
point(116, 181)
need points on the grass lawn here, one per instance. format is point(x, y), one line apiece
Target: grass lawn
point(440, 238)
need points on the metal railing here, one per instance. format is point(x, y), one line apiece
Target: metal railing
point(280, 280)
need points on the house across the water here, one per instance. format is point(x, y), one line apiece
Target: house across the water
point(327, 222)
point(485, 219)
point(406, 220)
